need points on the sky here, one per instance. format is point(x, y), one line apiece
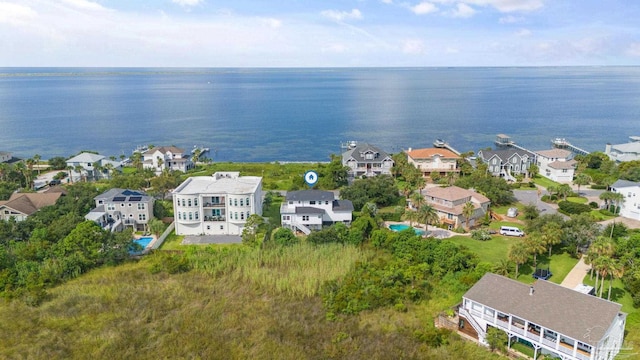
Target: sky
point(320, 33)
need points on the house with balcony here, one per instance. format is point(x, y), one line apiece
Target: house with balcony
point(624, 152)
point(90, 166)
point(366, 160)
point(22, 205)
point(449, 202)
point(552, 319)
point(308, 210)
point(507, 163)
point(117, 209)
point(166, 157)
point(216, 205)
point(630, 207)
point(556, 164)
point(441, 161)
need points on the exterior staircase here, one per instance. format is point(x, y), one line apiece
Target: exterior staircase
point(302, 228)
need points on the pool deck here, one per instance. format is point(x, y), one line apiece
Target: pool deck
point(149, 245)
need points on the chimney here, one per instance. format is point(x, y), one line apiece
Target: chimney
point(531, 290)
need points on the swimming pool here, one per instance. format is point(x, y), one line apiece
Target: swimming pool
point(143, 242)
point(400, 227)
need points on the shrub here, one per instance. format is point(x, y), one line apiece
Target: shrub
point(598, 187)
point(481, 235)
point(606, 212)
point(593, 205)
point(573, 208)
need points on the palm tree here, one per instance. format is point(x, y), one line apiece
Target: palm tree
point(617, 198)
point(467, 211)
point(427, 215)
point(552, 189)
point(518, 254)
point(616, 270)
point(604, 266)
point(551, 235)
point(535, 246)
point(36, 159)
point(410, 215)
point(503, 267)
point(564, 190)
point(69, 170)
point(417, 200)
point(80, 170)
point(581, 179)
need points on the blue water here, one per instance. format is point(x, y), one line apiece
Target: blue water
point(143, 242)
point(401, 227)
point(304, 114)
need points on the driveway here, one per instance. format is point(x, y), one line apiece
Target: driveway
point(531, 197)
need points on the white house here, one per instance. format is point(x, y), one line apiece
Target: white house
point(118, 208)
point(506, 163)
point(624, 152)
point(449, 202)
point(552, 319)
point(84, 166)
point(556, 164)
point(366, 160)
point(433, 160)
point(307, 210)
point(166, 157)
point(5, 156)
point(216, 205)
point(630, 207)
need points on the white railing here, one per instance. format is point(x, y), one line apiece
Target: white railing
point(549, 343)
point(301, 227)
point(517, 330)
point(462, 311)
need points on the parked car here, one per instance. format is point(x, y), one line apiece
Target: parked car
point(54, 182)
point(512, 212)
point(511, 231)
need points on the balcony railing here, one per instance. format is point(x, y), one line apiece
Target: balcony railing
point(549, 343)
point(565, 348)
point(214, 205)
point(214, 218)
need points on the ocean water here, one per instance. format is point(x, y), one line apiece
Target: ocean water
point(305, 114)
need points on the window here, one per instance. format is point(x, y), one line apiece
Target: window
point(241, 202)
point(286, 217)
point(247, 201)
point(197, 215)
point(564, 170)
point(142, 217)
point(189, 202)
point(99, 201)
point(208, 227)
point(122, 205)
point(305, 218)
point(190, 216)
point(111, 207)
point(179, 215)
point(326, 202)
point(221, 227)
point(129, 204)
point(494, 161)
point(235, 202)
point(140, 206)
point(195, 202)
point(312, 202)
point(241, 216)
point(235, 215)
point(183, 203)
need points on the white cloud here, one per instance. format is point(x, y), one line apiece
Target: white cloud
point(187, 2)
point(413, 47)
point(510, 19)
point(85, 5)
point(271, 22)
point(463, 11)
point(13, 14)
point(424, 8)
point(523, 32)
point(510, 5)
point(355, 14)
point(634, 49)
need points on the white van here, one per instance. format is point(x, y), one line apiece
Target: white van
point(511, 231)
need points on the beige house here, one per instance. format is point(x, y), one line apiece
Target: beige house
point(449, 202)
point(21, 205)
point(556, 164)
point(433, 160)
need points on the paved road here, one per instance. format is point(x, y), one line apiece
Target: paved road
point(531, 197)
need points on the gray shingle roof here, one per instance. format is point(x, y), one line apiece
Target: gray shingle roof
point(624, 183)
point(363, 148)
point(308, 195)
point(585, 318)
point(110, 194)
point(342, 205)
point(309, 210)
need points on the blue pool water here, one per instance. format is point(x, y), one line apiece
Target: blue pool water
point(143, 242)
point(400, 227)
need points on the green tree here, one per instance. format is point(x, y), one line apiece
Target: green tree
point(156, 227)
point(530, 212)
point(57, 163)
point(427, 215)
point(334, 175)
point(497, 339)
point(467, 211)
point(580, 180)
point(551, 235)
point(503, 267)
point(564, 190)
point(535, 246)
point(519, 254)
point(533, 171)
point(284, 237)
point(250, 230)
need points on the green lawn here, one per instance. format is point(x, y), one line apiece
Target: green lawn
point(577, 199)
point(491, 251)
point(172, 242)
point(544, 182)
point(599, 216)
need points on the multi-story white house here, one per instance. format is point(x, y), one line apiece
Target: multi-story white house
point(366, 160)
point(308, 210)
point(166, 157)
point(89, 166)
point(624, 152)
point(433, 160)
point(556, 164)
point(630, 207)
point(449, 202)
point(216, 205)
point(118, 208)
point(554, 320)
point(506, 163)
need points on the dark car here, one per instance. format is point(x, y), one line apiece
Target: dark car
point(54, 182)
